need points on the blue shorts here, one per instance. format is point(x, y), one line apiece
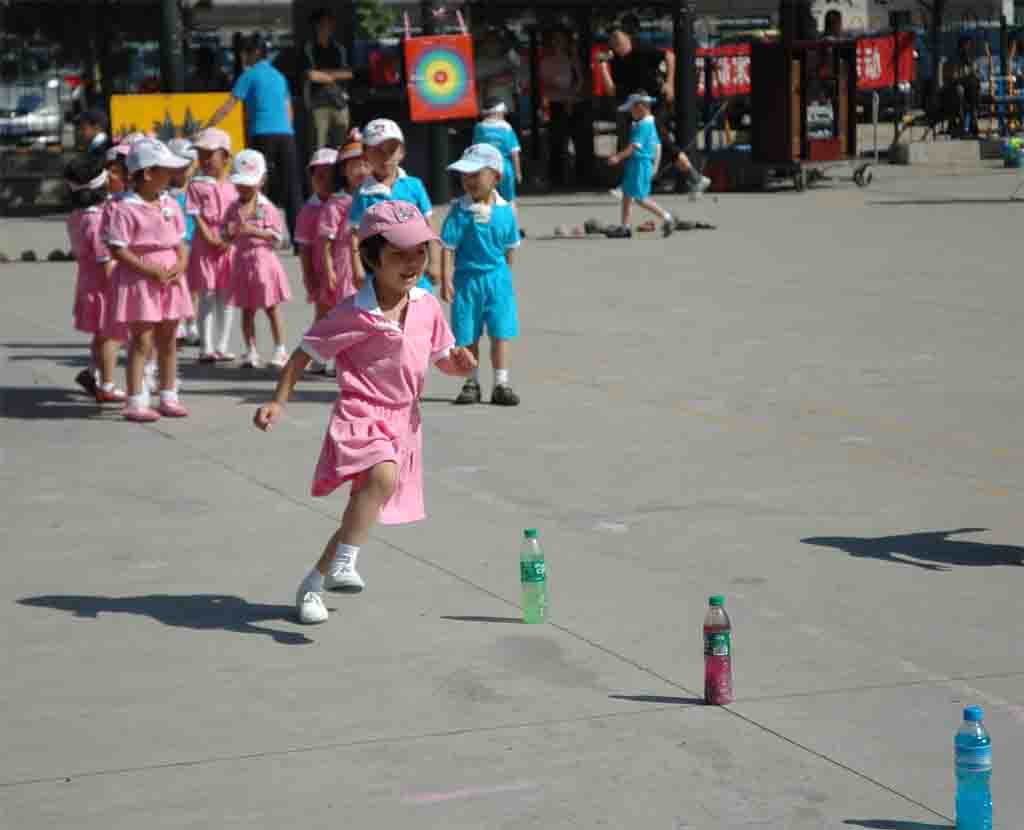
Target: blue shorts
point(636, 180)
point(484, 301)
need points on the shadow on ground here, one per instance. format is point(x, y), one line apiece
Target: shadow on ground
point(931, 550)
point(52, 403)
point(889, 824)
point(515, 620)
point(663, 699)
point(200, 612)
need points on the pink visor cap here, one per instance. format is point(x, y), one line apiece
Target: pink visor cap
point(212, 139)
point(324, 157)
point(400, 223)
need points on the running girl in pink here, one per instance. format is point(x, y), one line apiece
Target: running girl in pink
point(93, 312)
point(209, 268)
point(383, 339)
point(145, 231)
point(258, 279)
point(321, 174)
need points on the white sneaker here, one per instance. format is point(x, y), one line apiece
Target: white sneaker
point(310, 607)
point(280, 358)
point(252, 361)
point(193, 334)
point(616, 194)
point(343, 576)
point(698, 189)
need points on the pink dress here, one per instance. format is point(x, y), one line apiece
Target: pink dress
point(381, 370)
point(258, 279)
point(209, 267)
point(152, 233)
point(94, 291)
point(306, 235)
point(335, 228)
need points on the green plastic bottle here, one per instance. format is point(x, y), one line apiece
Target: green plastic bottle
point(534, 578)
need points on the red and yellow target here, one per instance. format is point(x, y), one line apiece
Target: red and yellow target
point(442, 82)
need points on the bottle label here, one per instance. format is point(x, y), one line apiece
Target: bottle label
point(976, 759)
point(532, 570)
point(718, 644)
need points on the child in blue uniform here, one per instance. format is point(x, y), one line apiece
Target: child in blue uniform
point(496, 131)
point(641, 157)
point(480, 234)
point(388, 182)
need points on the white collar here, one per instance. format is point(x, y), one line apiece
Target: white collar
point(93, 209)
point(204, 179)
point(314, 201)
point(366, 299)
point(647, 117)
point(500, 123)
point(98, 139)
point(372, 187)
point(466, 201)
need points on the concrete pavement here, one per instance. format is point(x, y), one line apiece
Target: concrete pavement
point(813, 410)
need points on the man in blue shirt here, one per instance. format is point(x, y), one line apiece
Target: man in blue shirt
point(269, 116)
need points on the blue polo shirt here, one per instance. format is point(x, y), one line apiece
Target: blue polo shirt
point(643, 135)
point(480, 238)
point(405, 189)
point(266, 95)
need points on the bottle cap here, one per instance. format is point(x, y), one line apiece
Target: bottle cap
point(974, 714)
point(716, 601)
point(530, 533)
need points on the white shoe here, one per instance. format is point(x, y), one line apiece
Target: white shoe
point(310, 607)
point(280, 358)
point(193, 335)
point(343, 576)
point(616, 194)
point(252, 361)
point(699, 188)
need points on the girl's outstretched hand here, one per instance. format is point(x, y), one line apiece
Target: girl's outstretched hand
point(268, 414)
point(462, 359)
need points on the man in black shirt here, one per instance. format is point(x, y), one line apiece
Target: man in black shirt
point(327, 72)
point(642, 68)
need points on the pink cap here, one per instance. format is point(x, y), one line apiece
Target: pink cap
point(324, 156)
point(400, 223)
point(213, 139)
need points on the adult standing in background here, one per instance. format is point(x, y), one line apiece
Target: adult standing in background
point(269, 118)
point(326, 74)
point(497, 74)
point(208, 77)
point(561, 78)
point(641, 68)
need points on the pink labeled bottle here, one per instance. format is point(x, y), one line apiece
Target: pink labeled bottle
point(717, 654)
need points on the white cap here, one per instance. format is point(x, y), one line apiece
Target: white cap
point(324, 156)
point(183, 147)
point(380, 130)
point(148, 152)
point(249, 168)
point(213, 139)
point(636, 98)
point(477, 157)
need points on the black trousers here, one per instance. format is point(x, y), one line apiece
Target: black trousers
point(284, 185)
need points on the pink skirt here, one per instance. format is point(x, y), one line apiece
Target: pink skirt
point(258, 280)
point(94, 314)
point(144, 300)
point(361, 435)
point(209, 268)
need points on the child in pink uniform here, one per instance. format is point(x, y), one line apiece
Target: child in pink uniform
point(334, 236)
point(93, 310)
point(258, 279)
point(321, 170)
point(145, 231)
point(209, 268)
point(383, 339)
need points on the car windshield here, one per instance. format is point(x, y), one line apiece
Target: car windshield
point(28, 103)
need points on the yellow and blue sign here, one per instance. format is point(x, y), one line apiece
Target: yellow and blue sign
point(177, 115)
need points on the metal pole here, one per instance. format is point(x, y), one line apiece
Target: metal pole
point(684, 12)
point(1003, 109)
point(709, 102)
point(875, 106)
point(440, 183)
point(172, 47)
point(535, 99)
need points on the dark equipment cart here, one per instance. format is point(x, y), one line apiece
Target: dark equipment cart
point(803, 101)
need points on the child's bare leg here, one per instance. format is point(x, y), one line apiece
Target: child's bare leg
point(361, 514)
point(249, 328)
point(106, 350)
point(499, 354)
point(276, 324)
point(139, 349)
point(627, 210)
point(651, 206)
point(167, 354)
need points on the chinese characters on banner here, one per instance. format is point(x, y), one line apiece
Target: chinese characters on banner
point(876, 66)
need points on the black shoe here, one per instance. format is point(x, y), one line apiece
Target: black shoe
point(470, 393)
point(667, 227)
point(618, 232)
point(504, 396)
point(87, 381)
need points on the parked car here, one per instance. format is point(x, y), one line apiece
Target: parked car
point(31, 113)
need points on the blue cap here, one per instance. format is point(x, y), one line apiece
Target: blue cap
point(974, 713)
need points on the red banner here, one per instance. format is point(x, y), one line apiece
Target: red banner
point(876, 66)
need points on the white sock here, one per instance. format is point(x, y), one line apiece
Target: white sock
point(345, 556)
point(108, 386)
point(314, 581)
point(475, 375)
point(227, 320)
point(206, 321)
point(140, 401)
point(169, 395)
point(280, 349)
point(501, 377)
point(150, 369)
point(666, 216)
